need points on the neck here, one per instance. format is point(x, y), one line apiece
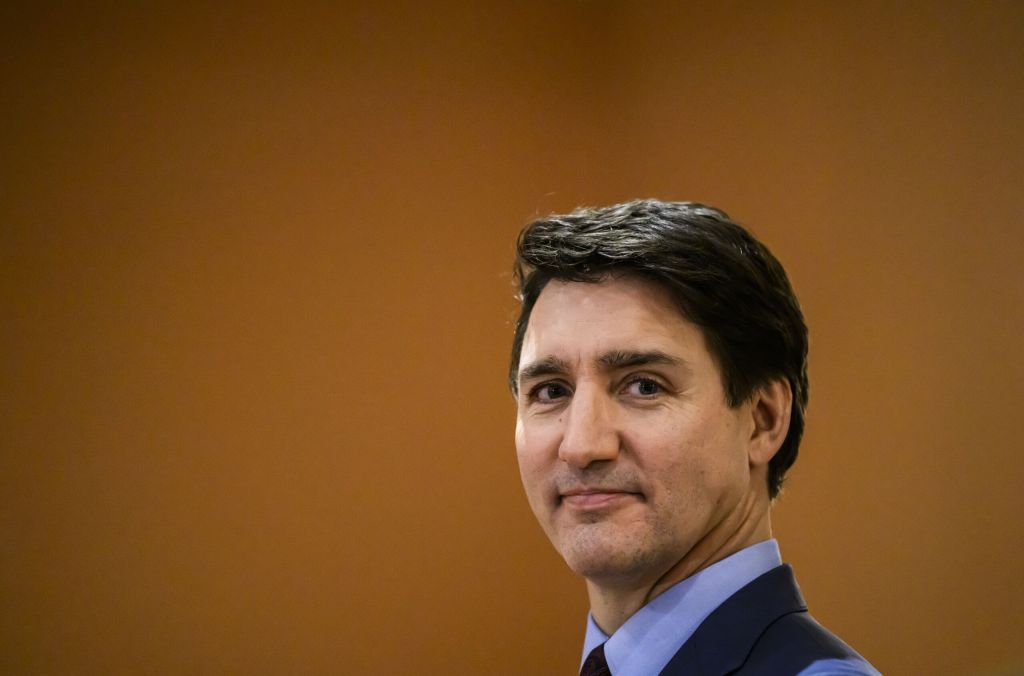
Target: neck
point(612, 602)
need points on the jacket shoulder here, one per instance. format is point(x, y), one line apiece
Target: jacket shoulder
point(795, 642)
point(765, 629)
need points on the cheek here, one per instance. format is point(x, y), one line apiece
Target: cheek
point(537, 437)
point(530, 455)
point(691, 463)
point(520, 439)
point(524, 449)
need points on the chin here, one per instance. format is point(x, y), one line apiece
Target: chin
point(596, 558)
point(609, 568)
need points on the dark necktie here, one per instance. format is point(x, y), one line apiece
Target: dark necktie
point(595, 664)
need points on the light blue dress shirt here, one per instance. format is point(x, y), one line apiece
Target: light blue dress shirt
point(648, 640)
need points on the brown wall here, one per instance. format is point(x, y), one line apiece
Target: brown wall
point(256, 313)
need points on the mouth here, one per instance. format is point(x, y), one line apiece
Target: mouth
point(597, 498)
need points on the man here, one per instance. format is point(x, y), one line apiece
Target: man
point(659, 365)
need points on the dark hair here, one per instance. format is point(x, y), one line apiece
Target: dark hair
point(720, 277)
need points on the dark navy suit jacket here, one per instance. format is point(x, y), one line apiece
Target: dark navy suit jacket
point(764, 628)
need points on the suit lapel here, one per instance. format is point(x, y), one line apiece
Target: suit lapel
point(725, 638)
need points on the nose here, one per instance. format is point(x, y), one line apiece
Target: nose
point(590, 433)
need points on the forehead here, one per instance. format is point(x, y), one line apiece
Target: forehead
point(579, 320)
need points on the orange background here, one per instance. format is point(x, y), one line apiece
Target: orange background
point(256, 315)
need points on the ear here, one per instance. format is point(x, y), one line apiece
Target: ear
point(772, 405)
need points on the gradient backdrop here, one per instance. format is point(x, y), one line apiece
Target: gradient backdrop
point(256, 311)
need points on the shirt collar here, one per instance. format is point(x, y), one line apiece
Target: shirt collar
point(649, 639)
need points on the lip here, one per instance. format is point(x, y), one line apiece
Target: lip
point(590, 499)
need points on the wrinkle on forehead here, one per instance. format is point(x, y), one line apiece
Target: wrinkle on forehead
point(577, 323)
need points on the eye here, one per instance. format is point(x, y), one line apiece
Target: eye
point(644, 387)
point(547, 393)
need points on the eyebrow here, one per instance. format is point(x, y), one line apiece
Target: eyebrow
point(612, 360)
point(543, 367)
point(620, 359)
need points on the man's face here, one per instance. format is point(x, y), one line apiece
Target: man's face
point(628, 451)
